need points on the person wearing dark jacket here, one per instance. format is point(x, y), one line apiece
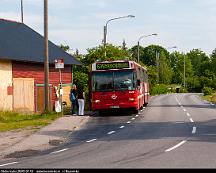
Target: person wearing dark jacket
point(81, 98)
point(73, 99)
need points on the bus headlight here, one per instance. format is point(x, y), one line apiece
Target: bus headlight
point(97, 101)
point(132, 99)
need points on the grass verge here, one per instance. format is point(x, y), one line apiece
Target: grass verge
point(210, 98)
point(12, 121)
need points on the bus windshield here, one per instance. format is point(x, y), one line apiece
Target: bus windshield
point(113, 80)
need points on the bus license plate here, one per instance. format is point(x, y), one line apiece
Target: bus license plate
point(114, 107)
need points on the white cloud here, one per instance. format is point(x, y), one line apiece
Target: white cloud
point(79, 23)
point(165, 2)
point(206, 3)
point(77, 39)
point(10, 16)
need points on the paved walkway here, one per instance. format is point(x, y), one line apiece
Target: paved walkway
point(46, 138)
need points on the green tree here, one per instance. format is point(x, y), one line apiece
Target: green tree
point(112, 53)
point(64, 47)
point(202, 69)
point(177, 64)
point(194, 84)
point(148, 56)
point(152, 76)
point(165, 71)
point(176, 60)
point(134, 52)
point(213, 62)
point(198, 58)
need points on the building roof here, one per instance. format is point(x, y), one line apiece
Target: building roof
point(21, 43)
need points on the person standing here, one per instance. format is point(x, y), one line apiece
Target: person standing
point(73, 99)
point(81, 102)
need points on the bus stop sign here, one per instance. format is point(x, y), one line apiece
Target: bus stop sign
point(59, 63)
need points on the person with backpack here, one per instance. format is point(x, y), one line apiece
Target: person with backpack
point(73, 99)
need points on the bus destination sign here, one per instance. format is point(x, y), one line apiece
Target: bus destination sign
point(113, 65)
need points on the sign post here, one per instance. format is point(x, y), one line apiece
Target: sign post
point(59, 64)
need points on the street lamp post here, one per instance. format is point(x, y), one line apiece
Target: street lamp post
point(138, 52)
point(105, 29)
point(173, 47)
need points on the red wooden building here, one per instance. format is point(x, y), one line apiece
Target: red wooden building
point(22, 69)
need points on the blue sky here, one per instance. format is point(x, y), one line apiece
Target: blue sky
point(186, 24)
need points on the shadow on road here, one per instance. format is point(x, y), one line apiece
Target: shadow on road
point(206, 131)
point(114, 113)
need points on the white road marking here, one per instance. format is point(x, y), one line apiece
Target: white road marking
point(121, 127)
point(178, 101)
point(109, 133)
point(210, 134)
point(137, 115)
point(133, 118)
point(194, 130)
point(178, 122)
point(6, 164)
point(128, 122)
point(59, 151)
point(176, 146)
point(188, 115)
point(184, 110)
point(191, 120)
point(91, 140)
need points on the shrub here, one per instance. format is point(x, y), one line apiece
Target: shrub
point(159, 89)
point(213, 99)
point(207, 91)
point(183, 90)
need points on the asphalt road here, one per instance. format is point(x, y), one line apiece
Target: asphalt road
point(173, 131)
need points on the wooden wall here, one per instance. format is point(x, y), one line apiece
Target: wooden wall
point(36, 71)
point(5, 85)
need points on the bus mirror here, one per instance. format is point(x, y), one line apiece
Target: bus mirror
point(138, 82)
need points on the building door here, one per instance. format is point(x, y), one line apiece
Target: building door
point(40, 98)
point(23, 94)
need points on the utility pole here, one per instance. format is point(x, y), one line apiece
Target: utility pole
point(105, 33)
point(46, 57)
point(138, 52)
point(157, 65)
point(22, 11)
point(184, 73)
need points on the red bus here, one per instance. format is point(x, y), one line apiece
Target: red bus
point(118, 85)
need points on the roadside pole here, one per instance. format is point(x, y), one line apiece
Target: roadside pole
point(46, 58)
point(157, 65)
point(59, 64)
point(60, 90)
